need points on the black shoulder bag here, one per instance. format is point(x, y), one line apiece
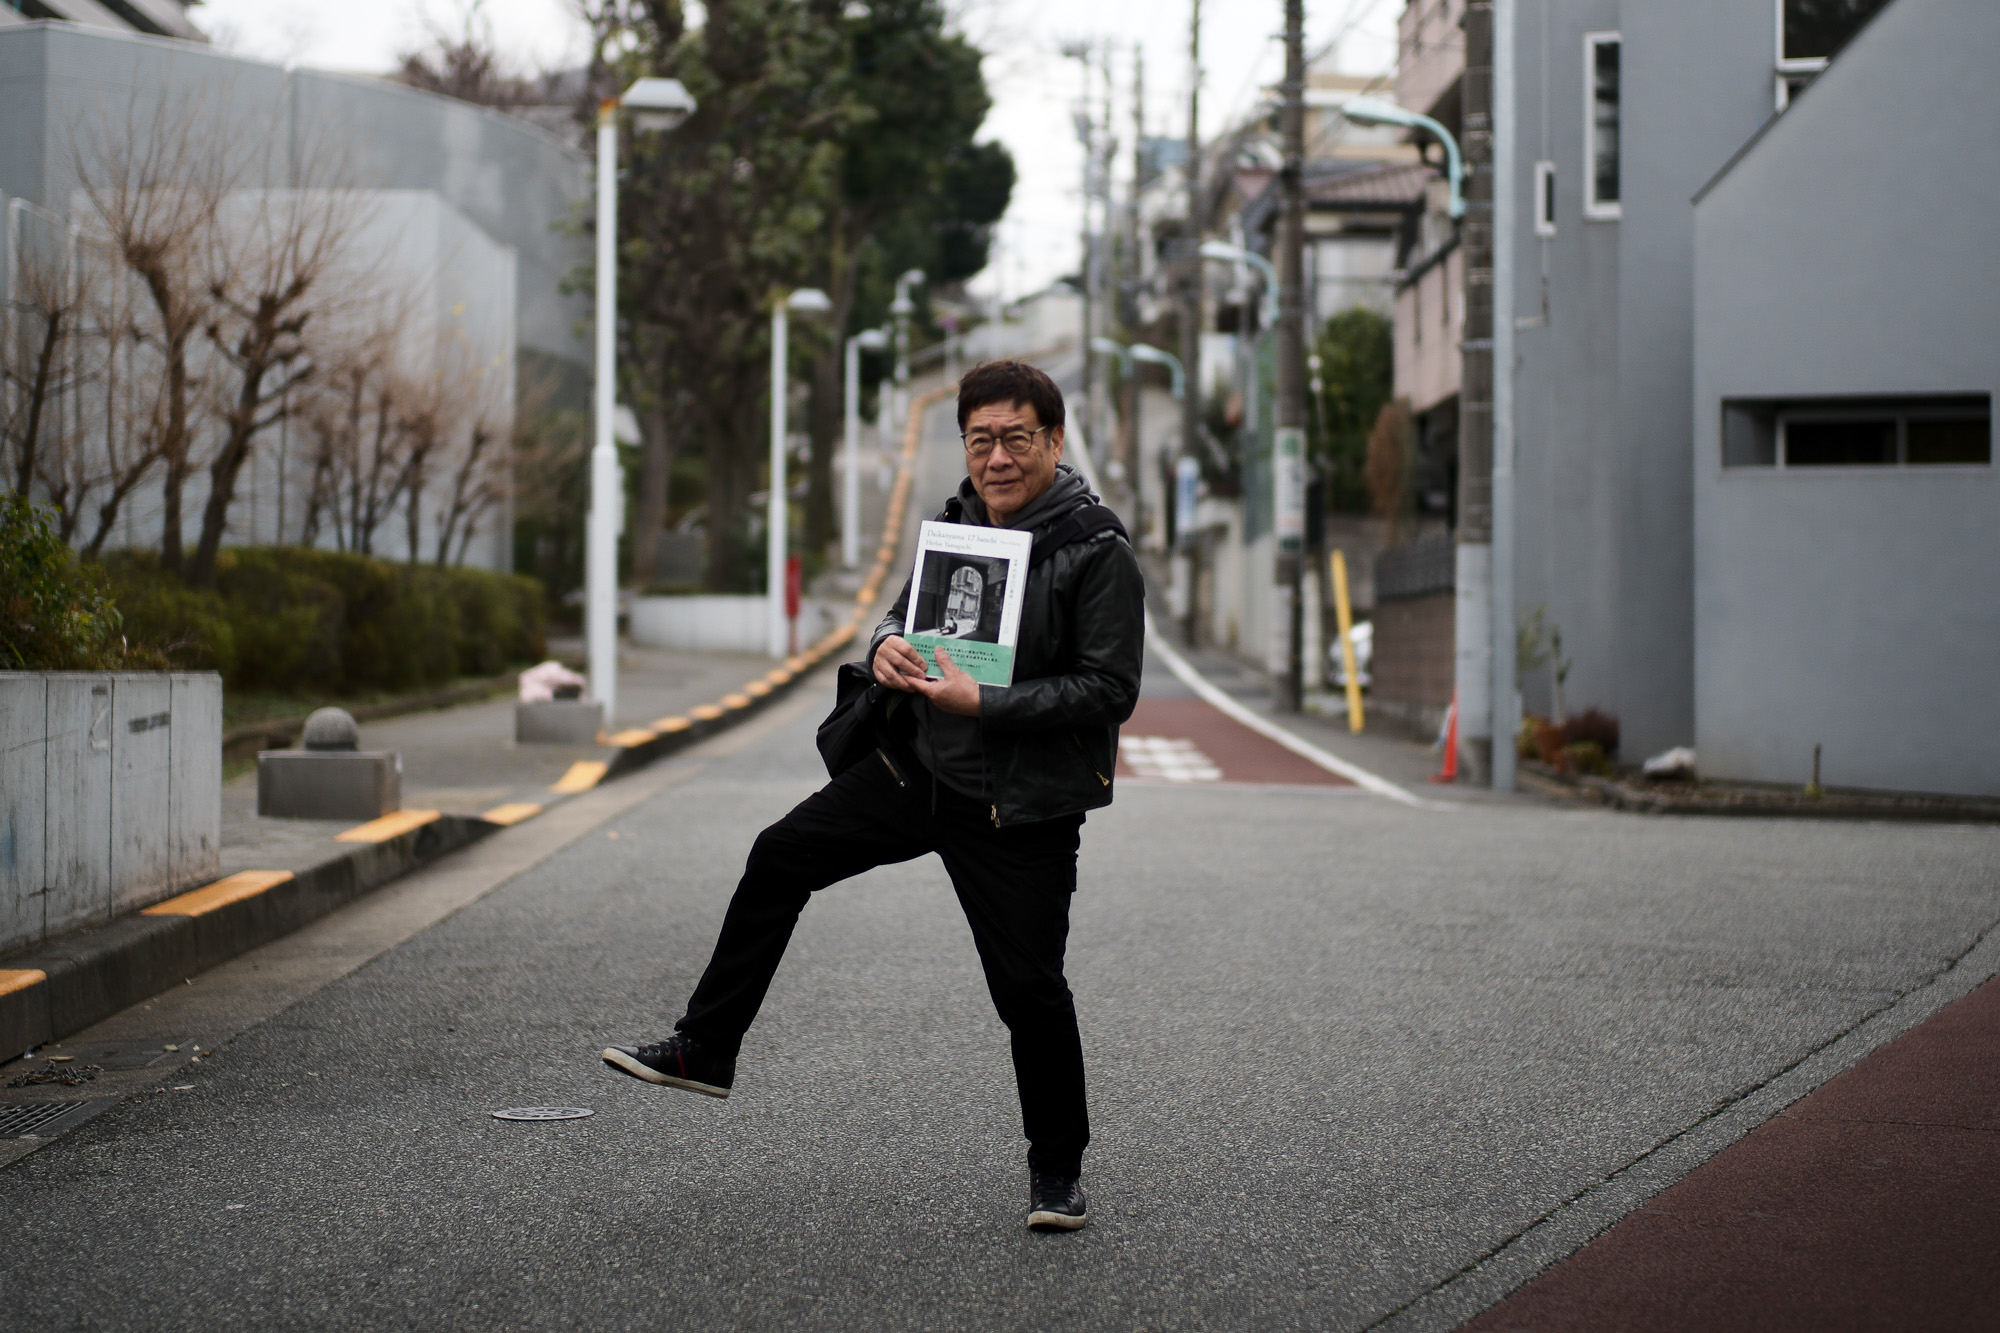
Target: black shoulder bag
point(850, 732)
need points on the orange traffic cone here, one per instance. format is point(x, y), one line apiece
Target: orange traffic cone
point(1449, 772)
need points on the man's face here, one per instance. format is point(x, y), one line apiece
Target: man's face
point(1005, 482)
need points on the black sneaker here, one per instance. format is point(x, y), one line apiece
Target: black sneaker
point(1056, 1203)
point(677, 1062)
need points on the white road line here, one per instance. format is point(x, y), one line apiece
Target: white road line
point(1305, 749)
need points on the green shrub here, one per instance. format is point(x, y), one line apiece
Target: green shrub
point(284, 619)
point(54, 614)
point(171, 624)
point(289, 624)
point(499, 618)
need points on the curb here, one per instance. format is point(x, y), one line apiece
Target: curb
point(1741, 802)
point(65, 985)
point(74, 982)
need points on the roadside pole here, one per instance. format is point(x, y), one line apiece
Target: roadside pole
point(1472, 626)
point(1190, 325)
point(607, 484)
point(1288, 452)
point(1506, 713)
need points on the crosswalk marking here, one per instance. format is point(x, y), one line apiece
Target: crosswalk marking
point(1170, 759)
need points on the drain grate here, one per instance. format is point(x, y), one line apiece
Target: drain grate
point(21, 1122)
point(544, 1113)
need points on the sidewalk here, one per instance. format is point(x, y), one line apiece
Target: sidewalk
point(1865, 1205)
point(463, 761)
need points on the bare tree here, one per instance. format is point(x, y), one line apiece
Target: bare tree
point(474, 490)
point(267, 269)
point(38, 363)
point(155, 185)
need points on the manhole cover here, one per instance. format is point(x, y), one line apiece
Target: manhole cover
point(544, 1113)
point(20, 1122)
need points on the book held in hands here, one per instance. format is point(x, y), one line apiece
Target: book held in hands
point(966, 593)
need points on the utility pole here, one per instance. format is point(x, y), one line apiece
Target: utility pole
point(1129, 291)
point(1086, 135)
point(1188, 279)
point(1506, 720)
point(1472, 621)
point(1289, 440)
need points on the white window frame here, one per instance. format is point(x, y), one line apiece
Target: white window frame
point(1595, 209)
point(1545, 199)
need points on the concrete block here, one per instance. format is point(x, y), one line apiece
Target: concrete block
point(78, 800)
point(558, 722)
point(142, 862)
point(302, 784)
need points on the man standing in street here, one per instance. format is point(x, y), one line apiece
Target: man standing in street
point(993, 778)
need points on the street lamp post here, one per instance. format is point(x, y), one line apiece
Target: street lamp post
point(902, 308)
point(870, 340)
point(807, 301)
point(656, 104)
point(1483, 620)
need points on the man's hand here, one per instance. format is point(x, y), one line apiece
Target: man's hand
point(956, 692)
point(898, 666)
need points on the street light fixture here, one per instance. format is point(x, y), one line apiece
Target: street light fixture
point(807, 301)
point(1226, 253)
point(657, 104)
point(1374, 111)
point(1147, 352)
point(868, 340)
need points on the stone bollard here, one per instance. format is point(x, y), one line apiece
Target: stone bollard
point(330, 777)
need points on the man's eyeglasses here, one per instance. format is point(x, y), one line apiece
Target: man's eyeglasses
point(1018, 443)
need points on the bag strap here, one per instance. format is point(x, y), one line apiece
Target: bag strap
point(1080, 525)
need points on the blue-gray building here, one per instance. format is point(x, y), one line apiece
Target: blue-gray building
point(1769, 213)
point(1846, 304)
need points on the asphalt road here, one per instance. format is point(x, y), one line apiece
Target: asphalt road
point(1341, 1052)
point(1339, 1049)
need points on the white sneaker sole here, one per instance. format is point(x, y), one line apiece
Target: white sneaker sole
point(1057, 1221)
point(626, 1064)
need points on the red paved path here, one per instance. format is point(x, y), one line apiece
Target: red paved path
point(1872, 1204)
point(1241, 754)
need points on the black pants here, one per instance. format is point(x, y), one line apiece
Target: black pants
point(1014, 884)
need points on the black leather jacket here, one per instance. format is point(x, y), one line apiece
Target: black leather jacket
point(1051, 737)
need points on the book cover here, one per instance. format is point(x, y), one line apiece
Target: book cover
point(965, 593)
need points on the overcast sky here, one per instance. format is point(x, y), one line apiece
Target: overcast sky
point(1034, 87)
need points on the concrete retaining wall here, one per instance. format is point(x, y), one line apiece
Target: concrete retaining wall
point(110, 795)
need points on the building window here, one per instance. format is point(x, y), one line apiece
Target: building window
point(1600, 140)
point(1857, 432)
point(1545, 199)
point(1812, 32)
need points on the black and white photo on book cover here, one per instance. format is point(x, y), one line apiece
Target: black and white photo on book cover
point(965, 592)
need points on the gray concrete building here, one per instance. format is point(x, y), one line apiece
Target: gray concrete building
point(510, 192)
point(1846, 350)
point(157, 18)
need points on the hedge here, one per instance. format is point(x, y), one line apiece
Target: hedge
point(287, 619)
point(54, 614)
